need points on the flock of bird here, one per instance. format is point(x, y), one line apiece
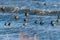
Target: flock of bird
point(25, 20)
point(22, 36)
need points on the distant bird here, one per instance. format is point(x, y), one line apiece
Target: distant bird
point(45, 4)
point(26, 14)
point(25, 24)
point(58, 20)
point(7, 24)
point(53, 23)
point(25, 20)
point(35, 21)
point(58, 17)
point(16, 17)
point(41, 23)
point(3, 9)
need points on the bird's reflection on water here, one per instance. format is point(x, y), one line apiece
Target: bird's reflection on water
point(28, 37)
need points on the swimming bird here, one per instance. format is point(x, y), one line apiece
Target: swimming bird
point(25, 20)
point(45, 4)
point(25, 24)
point(3, 9)
point(7, 24)
point(35, 21)
point(16, 17)
point(26, 14)
point(53, 23)
point(58, 20)
point(58, 17)
point(41, 23)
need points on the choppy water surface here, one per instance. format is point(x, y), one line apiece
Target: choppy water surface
point(33, 31)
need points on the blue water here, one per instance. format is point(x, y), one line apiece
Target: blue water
point(43, 32)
